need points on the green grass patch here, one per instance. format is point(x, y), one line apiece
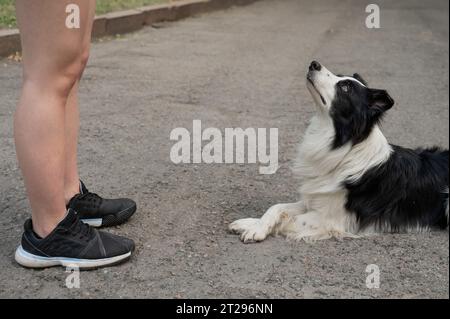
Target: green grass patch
point(8, 16)
point(105, 6)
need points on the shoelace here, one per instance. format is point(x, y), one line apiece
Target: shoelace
point(80, 229)
point(88, 196)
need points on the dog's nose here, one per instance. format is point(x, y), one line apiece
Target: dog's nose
point(315, 66)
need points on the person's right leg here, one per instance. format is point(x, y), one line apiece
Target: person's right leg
point(52, 63)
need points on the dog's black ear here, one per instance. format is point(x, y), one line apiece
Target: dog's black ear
point(359, 78)
point(379, 101)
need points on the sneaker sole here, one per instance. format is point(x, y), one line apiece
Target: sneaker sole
point(111, 220)
point(28, 260)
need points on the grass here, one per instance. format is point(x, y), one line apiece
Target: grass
point(8, 16)
point(105, 6)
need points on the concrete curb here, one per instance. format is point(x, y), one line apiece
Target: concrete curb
point(9, 42)
point(132, 20)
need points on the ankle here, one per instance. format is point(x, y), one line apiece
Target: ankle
point(71, 190)
point(44, 229)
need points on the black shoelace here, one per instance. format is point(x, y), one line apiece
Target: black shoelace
point(80, 229)
point(87, 197)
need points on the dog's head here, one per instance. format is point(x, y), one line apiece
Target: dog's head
point(353, 107)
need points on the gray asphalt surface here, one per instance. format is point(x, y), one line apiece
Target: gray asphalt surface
point(242, 67)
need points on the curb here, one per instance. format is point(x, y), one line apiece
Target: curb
point(132, 20)
point(9, 42)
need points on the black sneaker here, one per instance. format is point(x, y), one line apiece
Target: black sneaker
point(72, 243)
point(98, 212)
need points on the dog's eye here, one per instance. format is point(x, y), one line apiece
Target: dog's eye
point(346, 87)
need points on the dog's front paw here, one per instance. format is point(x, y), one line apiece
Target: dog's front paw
point(250, 229)
point(254, 235)
point(242, 225)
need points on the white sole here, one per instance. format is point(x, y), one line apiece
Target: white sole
point(94, 222)
point(33, 261)
point(111, 220)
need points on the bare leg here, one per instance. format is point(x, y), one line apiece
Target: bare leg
point(255, 229)
point(72, 120)
point(53, 62)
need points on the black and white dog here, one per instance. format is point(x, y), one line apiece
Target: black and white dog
point(353, 182)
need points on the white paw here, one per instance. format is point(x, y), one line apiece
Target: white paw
point(250, 229)
point(241, 225)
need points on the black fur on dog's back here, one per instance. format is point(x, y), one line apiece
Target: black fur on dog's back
point(409, 190)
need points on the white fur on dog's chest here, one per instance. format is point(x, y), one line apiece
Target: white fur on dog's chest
point(316, 164)
point(323, 170)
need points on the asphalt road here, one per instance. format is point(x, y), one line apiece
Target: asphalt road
point(242, 67)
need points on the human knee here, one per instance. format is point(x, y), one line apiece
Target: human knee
point(66, 78)
point(58, 74)
point(72, 71)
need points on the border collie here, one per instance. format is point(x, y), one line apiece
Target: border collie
point(353, 182)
